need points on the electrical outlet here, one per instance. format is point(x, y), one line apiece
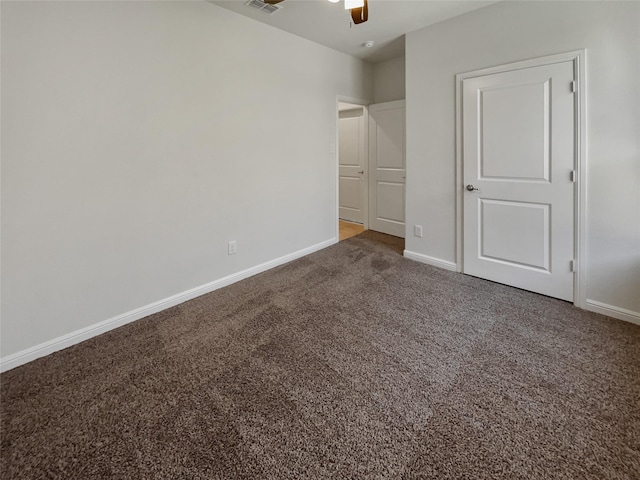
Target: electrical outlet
point(417, 230)
point(233, 247)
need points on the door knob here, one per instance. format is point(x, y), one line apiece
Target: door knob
point(471, 188)
point(360, 171)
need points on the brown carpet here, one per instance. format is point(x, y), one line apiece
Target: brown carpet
point(351, 363)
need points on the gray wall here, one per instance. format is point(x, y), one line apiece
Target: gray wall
point(512, 31)
point(138, 138)
point(389, 80)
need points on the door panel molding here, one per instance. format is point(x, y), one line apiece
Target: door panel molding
point(578, 59)
point(387, 167)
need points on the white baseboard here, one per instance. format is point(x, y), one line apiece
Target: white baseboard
point(70, 339)
point(591, 305)
point(611, 311)
point(435, 262)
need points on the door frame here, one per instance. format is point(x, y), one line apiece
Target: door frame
point(578, 58)
point(365, 132)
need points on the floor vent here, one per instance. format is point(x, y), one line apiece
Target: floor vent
point(263, 7)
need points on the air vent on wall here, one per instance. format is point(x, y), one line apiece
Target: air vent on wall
point(263, 7)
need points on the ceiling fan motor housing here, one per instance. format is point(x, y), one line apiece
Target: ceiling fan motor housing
point(360, 14)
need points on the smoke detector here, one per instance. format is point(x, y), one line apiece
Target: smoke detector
point(369, 44)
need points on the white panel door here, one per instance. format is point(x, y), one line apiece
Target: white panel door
point(518, 141)
point(352, 186)
point(387, 167)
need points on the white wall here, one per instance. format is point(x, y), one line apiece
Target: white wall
point(512, 31)
point(389, 80)
point(138, 138)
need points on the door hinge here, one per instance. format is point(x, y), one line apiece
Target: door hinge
point(573, 176)
point(572, 266)
point(574, 86)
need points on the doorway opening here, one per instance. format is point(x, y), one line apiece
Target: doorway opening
point(353, 189)
point(371, 167)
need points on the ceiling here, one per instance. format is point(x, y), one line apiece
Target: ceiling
point(330, 24)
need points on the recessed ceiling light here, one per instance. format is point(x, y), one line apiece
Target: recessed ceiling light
point(369, 44)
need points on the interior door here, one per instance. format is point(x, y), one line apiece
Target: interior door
point(387, 167)
point(352, 186)
point(518, 201)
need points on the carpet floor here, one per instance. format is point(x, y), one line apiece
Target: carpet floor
point(350, 363)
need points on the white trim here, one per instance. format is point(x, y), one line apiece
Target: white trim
point(434, 262)
point(356, 101)
point(366, 163)
point(73, 338)
point(614, 312)
point(532, 62)
point(379, 107)
point(578, 57)
point(580, 276)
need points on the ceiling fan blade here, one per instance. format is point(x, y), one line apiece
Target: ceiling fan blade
point(272, 2)
point(360, 14)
